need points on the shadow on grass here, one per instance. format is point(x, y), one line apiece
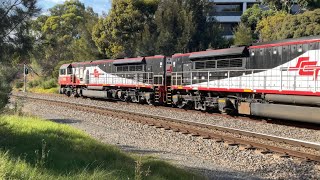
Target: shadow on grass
point(68, 151)
point(65, 121)
point(134, 150)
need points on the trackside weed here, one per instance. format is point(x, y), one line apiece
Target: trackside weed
point(41, 158)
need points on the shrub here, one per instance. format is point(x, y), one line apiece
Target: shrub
point(18, 84)
point(51, 83)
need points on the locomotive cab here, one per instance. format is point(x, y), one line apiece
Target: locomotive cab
point(66, 76)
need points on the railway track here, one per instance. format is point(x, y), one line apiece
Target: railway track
point(255, 119)
point(258, 120)
point(280, 146)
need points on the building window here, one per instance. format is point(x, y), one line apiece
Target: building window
point(228, 7)
point(226, 10)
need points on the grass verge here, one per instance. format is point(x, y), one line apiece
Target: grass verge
point(31, 148)
point(54, 90)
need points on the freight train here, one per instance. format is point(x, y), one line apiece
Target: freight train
point(278, 79)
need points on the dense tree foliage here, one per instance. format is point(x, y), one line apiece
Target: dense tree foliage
point(175, 27)
point(15, 40)
point(277, 23)
point(282, 25)
point(286, 5)
point(128, 30)
point(66, 34)
point(115, 35)
point(253, 16)
point(14, 28)
point(145, 27)
point(243, 35)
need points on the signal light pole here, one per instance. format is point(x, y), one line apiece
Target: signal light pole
point(25, 72)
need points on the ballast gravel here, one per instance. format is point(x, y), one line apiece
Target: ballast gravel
point(207, 157)
point(270, 129)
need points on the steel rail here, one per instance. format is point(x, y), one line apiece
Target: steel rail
point(200, 129)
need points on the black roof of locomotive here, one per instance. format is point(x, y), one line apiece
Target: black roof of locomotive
point(288, 40)
point(220, 52)
point(137, 60)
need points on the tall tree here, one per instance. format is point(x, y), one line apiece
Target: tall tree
point(200, 9)
point(282, 25)
point(15, 40)
point(148, 27)
point(66, 34)
point(270, 26)
point(252, 16)
point(183, 27)
point(146, 39)
point(175, 27)
point(115, 34)
point(14, 28)
point(243, 35)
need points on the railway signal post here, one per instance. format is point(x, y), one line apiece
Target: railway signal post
point(25, 72)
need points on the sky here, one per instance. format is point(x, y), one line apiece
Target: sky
point(97, 5)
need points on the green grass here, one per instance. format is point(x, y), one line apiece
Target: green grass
point(40, 90)
point(54, 90)
point(31, 148)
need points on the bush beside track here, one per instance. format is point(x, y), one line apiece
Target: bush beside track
point(31, 148)
point(39, 85)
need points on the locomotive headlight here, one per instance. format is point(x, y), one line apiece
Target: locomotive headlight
point(252, 54)
point(274, 52)
point(203, 77)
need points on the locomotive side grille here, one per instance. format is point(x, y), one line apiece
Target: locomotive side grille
point(211, 64)
point(223, 64)
point(130, 68)
point(236, 63)
point(200, 65)
point(139, 68)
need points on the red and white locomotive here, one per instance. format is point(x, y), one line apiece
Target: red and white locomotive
point(277, 79)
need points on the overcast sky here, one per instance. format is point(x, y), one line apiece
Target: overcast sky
point(97, 5)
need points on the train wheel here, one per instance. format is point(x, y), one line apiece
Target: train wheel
point(135, 99)
point(181, 104)
point(78, 92)
point(230, 111)
point(203, 107)
point(68, 93)
point(150, 102)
